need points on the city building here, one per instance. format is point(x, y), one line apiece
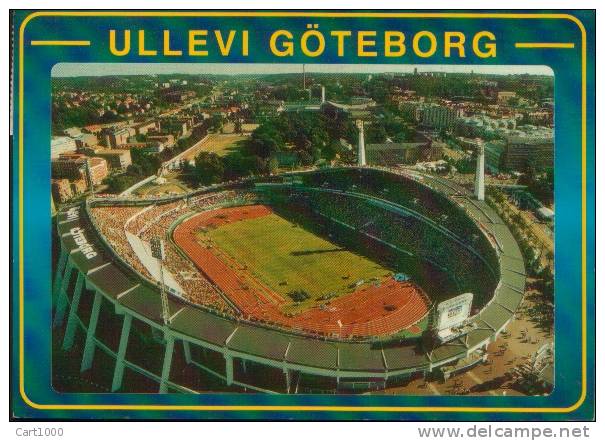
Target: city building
point(98, 170)
point(410, 109)
point(117, 159)
point(72, 166)
point(524, 150)
point(144, 127)
point(115, 137)
point(145, 147)
point(94, 128)
point(166, 139)
point(354, 111)
point(60, 145)
point(153, 147)
point(78, 187)
point(394, 153)
point(84, 140)
point(504, 97)
point(178, 96)
point(493, 155)
point(437, 116)
point(72, 132)
point(540, 117)
point(61, 190)
point(362, 101)
point(176, 126)
point(483, 126)
point(68, 166)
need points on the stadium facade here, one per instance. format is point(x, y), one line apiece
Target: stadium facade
point(108, 314)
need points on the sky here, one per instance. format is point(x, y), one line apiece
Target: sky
point(102, 69)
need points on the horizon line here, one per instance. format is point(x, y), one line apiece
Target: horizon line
point(67, 70)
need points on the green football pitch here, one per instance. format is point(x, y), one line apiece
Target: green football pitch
point(287, 257)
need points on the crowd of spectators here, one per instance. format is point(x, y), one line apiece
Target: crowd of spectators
point(110, 221)
point(400, 189)
point(151, 221)
point(406, 232)
point(410, 234)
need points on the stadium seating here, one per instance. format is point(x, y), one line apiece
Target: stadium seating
point(408, 233)
point(154, 221)
point(435, 230)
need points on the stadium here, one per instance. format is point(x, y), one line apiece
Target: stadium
point(336, 280)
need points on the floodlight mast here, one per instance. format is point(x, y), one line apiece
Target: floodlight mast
point(157, 251)
point(361, 145)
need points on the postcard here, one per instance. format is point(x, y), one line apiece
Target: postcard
point(303, 215)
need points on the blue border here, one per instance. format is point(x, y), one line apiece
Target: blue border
point(38, 63)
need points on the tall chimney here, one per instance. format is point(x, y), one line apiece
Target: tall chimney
point(480, 172)
point(323, 94)
point(361, 146)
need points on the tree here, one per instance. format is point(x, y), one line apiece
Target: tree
point(264, 144)
point(147, 163)
point(329, 151)
point(119, 183)
point(376, 133)
point(405, 135)
point(237, 164)
point(216, 122)
point(272, 165)
point(305, 158)
point(307, 134)
point(209, 168)
point(135, 169)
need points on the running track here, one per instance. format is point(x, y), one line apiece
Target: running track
point(369, 311)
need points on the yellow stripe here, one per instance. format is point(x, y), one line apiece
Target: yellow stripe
point(60, 43)
point(35, 405)
point(545, 45)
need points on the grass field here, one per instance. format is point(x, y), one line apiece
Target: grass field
point(221, 144)
point(173, 185)
point(286, 257)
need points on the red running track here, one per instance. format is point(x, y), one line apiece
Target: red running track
point(369, 311)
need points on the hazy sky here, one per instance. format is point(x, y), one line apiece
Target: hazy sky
point(100, 69)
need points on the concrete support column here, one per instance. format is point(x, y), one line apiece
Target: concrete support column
point(118, 372)
point(187, 351)
point(229, 369)
point(72, 319)
point(61, 297)
point(167, 364)
point(59, 272)
point(89, 347)
point(287, 374)
point(157, 334)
